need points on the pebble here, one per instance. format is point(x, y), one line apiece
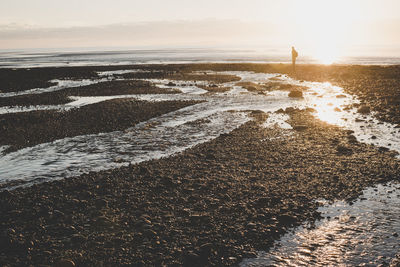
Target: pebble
point(65, 263)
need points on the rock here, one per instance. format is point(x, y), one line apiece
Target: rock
point(396, 261)
point(262, 201)
point(77, 238)
point(171, 84)
point(205, 249)
point(364, 109)
point(343, 150)
point(150, 233)
point(296, 94)
point(10, 231)
point(337, 109)
point(101, 203)
point(47, 253)
point(383, 149)
point(199, 218)
point(341, 96)
point(290, 110)
point(191, 259)
point(65, 263)
point(300, 127)
point(118, 160)
point(287, 219)
point(352, 138)
point(102, 221)
point(58, 213)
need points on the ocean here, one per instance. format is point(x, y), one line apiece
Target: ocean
point(122, 56)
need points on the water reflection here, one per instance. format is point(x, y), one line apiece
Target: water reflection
point(329, 102)
point(362, 234)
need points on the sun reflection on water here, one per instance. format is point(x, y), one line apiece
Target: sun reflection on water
point(327, 104)
point(327, 111)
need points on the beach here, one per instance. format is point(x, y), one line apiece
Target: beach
point(187, 164)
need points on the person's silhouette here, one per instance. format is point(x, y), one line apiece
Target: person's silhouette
point(294, 56)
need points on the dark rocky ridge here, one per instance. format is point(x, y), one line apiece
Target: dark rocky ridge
point(25, 129)
point(100, 89)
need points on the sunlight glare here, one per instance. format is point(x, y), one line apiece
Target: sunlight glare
point(324, 28)
point(328, 107)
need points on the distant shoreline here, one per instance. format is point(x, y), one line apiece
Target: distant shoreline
point(194, 63)
point(52, 58)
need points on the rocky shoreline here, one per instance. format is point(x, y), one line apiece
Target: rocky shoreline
point(211, 205)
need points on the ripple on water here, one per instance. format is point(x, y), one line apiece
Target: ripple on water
point(364, 233)
point(156, 138)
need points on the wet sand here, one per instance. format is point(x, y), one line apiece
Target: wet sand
point(212, 204)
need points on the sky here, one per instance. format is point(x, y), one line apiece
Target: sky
point(312, 25)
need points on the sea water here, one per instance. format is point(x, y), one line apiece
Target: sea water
point(125, 56)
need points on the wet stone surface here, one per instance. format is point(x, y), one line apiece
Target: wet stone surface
point(361, 233)
point(215, 204)
point(226, 189)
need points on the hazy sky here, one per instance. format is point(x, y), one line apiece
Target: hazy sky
point(306, 23)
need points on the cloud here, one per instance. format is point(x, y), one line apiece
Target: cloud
point(208, 32)
point(158, 33)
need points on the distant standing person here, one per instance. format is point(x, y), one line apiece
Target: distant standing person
point(294, 56)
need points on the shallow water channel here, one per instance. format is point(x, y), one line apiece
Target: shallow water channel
point(363, 233)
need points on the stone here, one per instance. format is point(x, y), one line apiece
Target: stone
point(296, 94)
point(343, 150)
point(191, 259)
point(300, 127)
point(364, 109)
point(101, 203)
point(383, 149)
point(65, 263)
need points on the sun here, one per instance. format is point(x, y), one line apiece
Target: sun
point(324, 28)
point(326, 54)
